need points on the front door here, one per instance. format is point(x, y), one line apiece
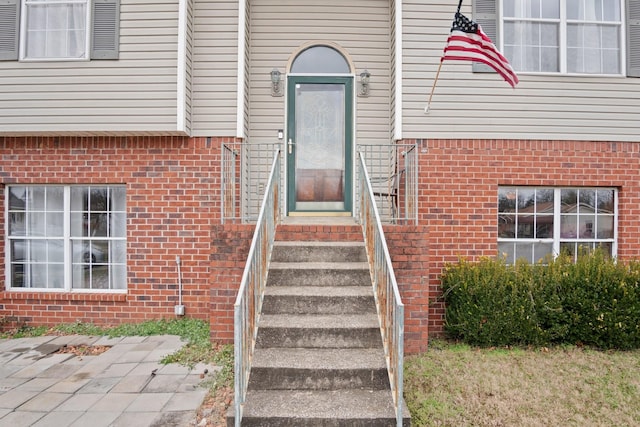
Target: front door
point(319, 145)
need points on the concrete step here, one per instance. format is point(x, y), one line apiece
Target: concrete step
point(319, 252)
point(318, 300)
point(319, 274)
point(339, 408)
point(319, 331)
point(318, 369)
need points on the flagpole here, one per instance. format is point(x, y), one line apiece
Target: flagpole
point(426, 109)
point(459, 5)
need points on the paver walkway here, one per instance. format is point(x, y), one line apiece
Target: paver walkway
point(124, 386)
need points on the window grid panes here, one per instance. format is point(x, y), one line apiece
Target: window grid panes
point(567, 36)
point(534, 223)
point(55, 29)
point(67, 237)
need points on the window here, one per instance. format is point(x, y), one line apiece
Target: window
point(534, 223)
point(47, 30)
point(320, 59)
point(55, 29)
point(568, 36)
point(593, 37)
point(66, 237)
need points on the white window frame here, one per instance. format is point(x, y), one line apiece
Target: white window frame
point(23, 30)
point(563, 39)
point(67, 240)
point(556, 238)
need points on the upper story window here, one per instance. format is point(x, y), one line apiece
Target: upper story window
point(59, 30)
point(534, 223)
point(573, 37)
point(55, 29)
point(566, 36)
point(66, 237)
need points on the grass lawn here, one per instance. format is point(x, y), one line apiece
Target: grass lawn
point(458, 385)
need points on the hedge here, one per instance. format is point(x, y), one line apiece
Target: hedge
point(594, 301)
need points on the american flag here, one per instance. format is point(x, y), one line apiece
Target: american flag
point(467, 42)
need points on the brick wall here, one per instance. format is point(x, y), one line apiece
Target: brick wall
point(229, 251)
point(409, 249)
point(458, 190)
point(173, 198)
point(173, 206)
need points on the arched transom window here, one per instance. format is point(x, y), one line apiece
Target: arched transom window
point(320, 60)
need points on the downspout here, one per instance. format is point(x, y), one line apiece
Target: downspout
point(398, 66)
point(240, 75)
point(181, 66)
point(179, 309)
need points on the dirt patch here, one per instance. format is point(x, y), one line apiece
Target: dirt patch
point(213, 411)
point(83, 350)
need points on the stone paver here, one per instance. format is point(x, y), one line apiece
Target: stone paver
point(20, 418)
point(80, 402)
point(58, 419)
point(96, 419)
point(164, 384)
point(99, 385)
point(36, 384)
point(129, 419)
point(114, 402)
point(45, 402)
point(186, 401)
point(15, 398)
point(149, 402)
point(124, 386)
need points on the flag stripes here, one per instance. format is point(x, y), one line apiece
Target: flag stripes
point(467, 42)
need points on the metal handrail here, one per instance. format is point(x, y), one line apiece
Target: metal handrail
point(393, 173)
point(252, 286)
point(388, 302)
point(244, 172)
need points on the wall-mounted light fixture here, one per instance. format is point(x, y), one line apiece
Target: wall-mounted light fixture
point(365, 76)
point(276, 84)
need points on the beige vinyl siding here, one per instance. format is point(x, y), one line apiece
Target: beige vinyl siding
point(134, 94)
point(215, 68)
point(279, 28)
point(483, 106)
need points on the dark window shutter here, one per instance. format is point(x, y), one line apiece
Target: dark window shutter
point(633, 38)
point(9, 29)
point(485, 13)
point(105, 34)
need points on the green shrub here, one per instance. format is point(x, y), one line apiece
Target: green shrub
point(594, 301)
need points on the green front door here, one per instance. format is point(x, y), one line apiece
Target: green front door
point(319, 145)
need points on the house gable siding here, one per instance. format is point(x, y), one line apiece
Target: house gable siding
point(362, 28)
point(137, 93)
point(215, 68)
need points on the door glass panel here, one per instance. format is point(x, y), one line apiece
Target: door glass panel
point(320, 146)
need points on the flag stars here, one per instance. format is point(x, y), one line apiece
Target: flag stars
point(462, 23)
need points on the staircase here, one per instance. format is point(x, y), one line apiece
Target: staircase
point(319, 359)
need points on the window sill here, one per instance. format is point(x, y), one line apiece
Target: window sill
point(63, 296)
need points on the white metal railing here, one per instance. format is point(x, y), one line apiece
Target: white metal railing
point(393, 172)
point(252, 286)
point(388, 302)
point(244, 171)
